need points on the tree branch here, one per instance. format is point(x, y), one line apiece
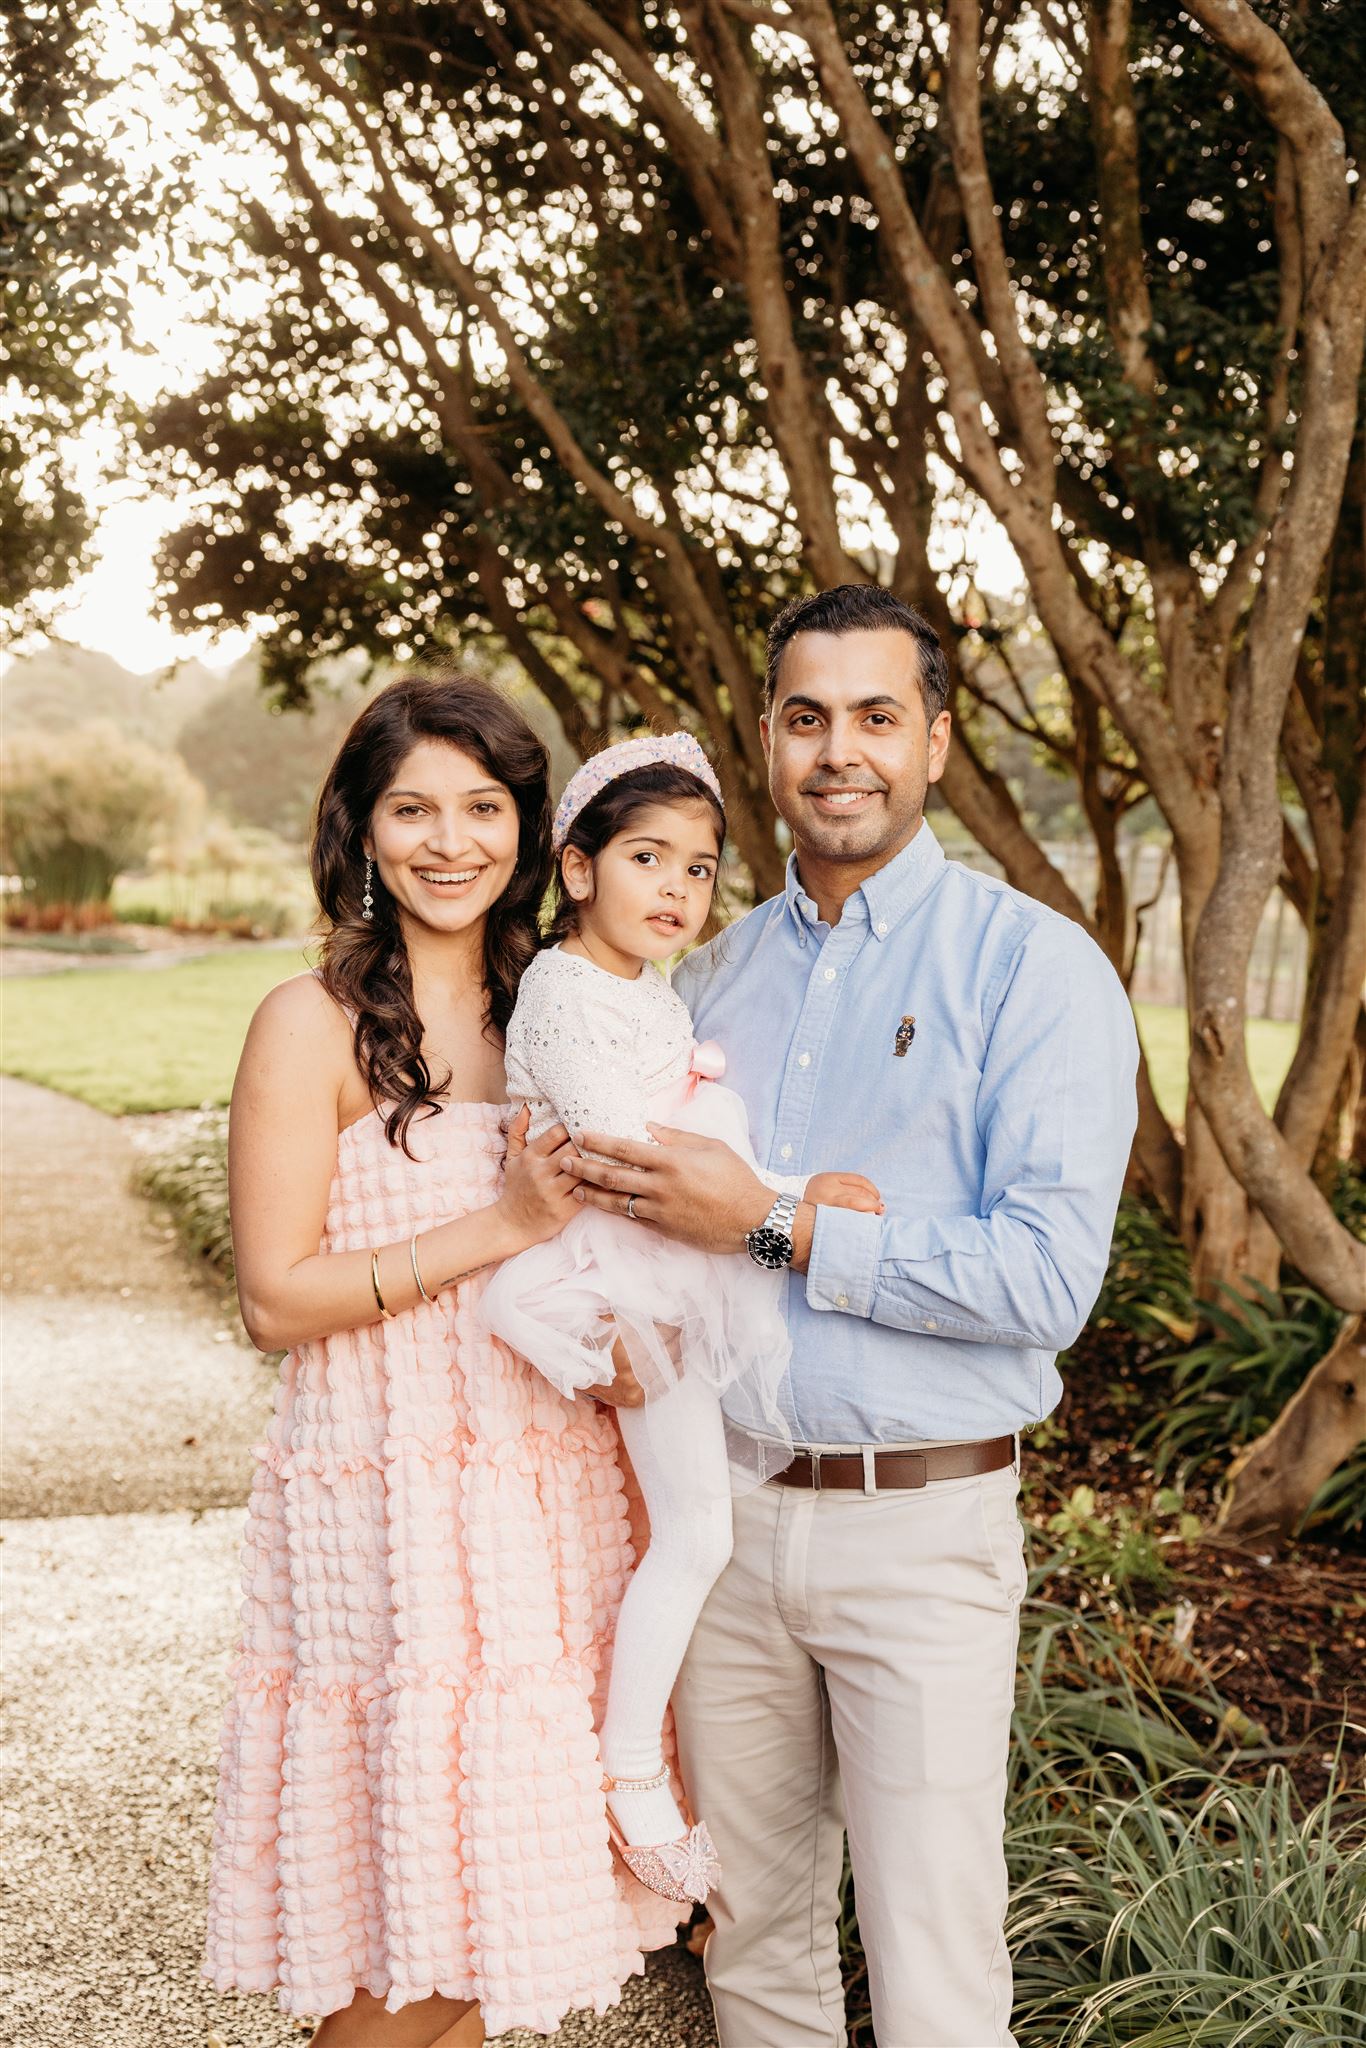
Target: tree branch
point(1024, 506)
point(1021, 372)
point(1296, 109)
point(695, 148)
point(1328, 1025)
point(799, 420)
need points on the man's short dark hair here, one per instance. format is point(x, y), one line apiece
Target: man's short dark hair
point(860, 608)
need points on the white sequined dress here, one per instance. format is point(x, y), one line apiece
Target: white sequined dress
point(599, 1053)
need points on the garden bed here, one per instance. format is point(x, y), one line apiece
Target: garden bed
point(1281, 1633)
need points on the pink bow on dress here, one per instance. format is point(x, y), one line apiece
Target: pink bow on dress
point(708, 1063)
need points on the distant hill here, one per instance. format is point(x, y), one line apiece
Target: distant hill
point(59, 686)
point(260, 766)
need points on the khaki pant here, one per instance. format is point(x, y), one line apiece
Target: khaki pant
point(854, 1667)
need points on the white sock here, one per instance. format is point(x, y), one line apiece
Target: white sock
point(647, 1817)
point(677, 1447)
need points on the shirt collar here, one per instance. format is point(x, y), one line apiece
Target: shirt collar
point(885, 898)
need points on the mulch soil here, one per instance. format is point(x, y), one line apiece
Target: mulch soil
point(1280, 1634)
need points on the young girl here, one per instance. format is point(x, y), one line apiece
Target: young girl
point(598, 1041)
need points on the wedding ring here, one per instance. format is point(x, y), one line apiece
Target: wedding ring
point(631, 1207)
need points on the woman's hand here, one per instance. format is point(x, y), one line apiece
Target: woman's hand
point(844, 1191)
point(539, 1196)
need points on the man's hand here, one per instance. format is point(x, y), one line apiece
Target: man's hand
point(691, 1188)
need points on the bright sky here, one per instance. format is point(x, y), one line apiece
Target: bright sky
point(111, 609)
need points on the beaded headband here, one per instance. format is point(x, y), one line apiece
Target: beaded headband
point(673, 750)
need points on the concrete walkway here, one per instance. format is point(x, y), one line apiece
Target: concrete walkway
point(131, 1406)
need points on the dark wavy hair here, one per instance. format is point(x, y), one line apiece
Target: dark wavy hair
point(612, 810)
point(860, 608)
point(364, 965)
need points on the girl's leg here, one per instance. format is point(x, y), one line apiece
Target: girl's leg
point(432, 2023)
point(677, 1447)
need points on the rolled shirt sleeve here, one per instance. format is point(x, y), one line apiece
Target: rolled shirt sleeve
point(1056, 1113)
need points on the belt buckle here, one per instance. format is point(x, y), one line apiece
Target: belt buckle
point(815, 1458)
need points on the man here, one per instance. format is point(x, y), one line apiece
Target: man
point(973, 1053)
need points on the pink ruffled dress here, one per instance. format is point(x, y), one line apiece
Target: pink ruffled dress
point(410, 1798)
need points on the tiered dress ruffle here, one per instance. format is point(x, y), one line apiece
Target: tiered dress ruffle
point(410, 1797)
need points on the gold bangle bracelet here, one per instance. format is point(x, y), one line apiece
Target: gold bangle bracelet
point(412, 1254)
point(387, 1313)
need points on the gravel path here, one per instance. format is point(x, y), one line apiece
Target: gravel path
point(120, 1612)
point(128, 1385)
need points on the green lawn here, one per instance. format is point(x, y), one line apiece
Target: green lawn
point(168, 1038)
point(1270, 1049)
point(139, 1038)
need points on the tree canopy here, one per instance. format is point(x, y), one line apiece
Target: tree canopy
point(71, 216)
point(603, 329)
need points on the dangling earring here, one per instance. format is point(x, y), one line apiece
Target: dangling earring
point(367, 901)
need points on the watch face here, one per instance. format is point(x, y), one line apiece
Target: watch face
point(769, 1248)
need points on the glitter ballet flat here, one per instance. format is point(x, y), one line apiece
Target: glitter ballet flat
point(684, 1870)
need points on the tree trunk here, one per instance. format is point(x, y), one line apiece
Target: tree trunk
point(752, 831)
point(1272, 1482)
point(1216, 1218)
point(1340, 1132)
point(1357, 1149)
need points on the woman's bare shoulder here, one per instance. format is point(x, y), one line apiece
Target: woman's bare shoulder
point(299, 1059)
point(302, 1004)
point(300, 1029)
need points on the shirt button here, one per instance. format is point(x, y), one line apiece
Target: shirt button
point(803, 1059)
point(841, 1301)
point(829, 974)
point(882, 927)
point(786, 1152)
point(930, 1323)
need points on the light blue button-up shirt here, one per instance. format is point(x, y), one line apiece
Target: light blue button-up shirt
point(998, 1137)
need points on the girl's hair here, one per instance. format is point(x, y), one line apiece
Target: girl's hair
point(364, 965)
point(611, 811)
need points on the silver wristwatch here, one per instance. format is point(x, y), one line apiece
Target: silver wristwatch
point(771, 1244)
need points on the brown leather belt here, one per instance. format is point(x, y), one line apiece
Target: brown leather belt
point(846, 1471)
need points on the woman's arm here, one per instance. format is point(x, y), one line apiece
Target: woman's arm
point(282, 1153)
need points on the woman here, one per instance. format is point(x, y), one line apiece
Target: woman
point(411, 1836)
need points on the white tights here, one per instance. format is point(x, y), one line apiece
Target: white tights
point(677, 1448)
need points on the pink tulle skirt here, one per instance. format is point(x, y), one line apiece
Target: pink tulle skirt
point(712, 1316)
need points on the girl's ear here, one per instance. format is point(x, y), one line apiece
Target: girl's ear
point(576, 871)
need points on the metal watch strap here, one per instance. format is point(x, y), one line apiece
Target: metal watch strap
point(771, 1244)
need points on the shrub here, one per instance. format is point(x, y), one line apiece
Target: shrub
point(1155, 1901)
point(1348, 1198)
point(24, 915)
point(243, 882)
point(1198, 1913)
point(1147, 1287)
point(1120, 1547)
point(79, 808)
point(1228, 1389)
point(187, 1172)
point(258, 918)
point(1222, 1392)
